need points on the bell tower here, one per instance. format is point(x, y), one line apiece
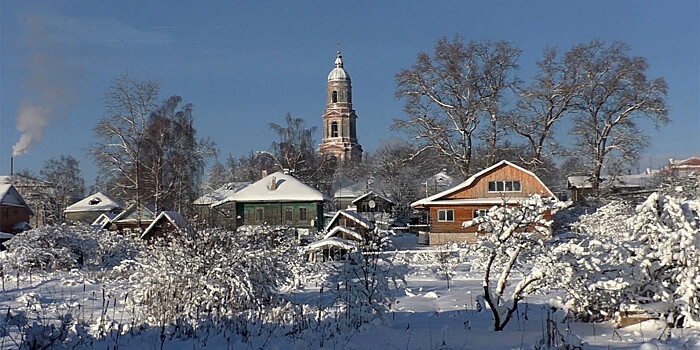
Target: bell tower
point(339, 119)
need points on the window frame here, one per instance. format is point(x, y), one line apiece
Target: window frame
point(259, 214)
point(334, 129)
point(289, 214)
point(446, 213)
point(501, 186)
point(302, 214)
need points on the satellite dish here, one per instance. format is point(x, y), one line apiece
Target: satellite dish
point(372, 204)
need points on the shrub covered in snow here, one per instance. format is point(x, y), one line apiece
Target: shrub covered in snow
point(212, 276)
point(66, 247)
point(623, 260)
point(365, 288)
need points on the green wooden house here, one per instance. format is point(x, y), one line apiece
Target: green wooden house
point(277, 199)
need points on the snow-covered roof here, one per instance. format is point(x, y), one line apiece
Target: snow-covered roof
point(441, 179)
point(339, 73)
point(96, 202)
point(174, 218)
point(692, 161)
point(352, 216)
point(9, 196)
point(331, 242)
point(148, 210)
point(351, 190)
point(338, 229)
point(103, 219)
point(637, 180)
point(286, 188)
point(222, 194)
point(369, 194)
point(471, 180)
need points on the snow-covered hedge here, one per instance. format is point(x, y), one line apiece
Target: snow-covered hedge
point(212, 276)
point(625, 258)
point(66, 247)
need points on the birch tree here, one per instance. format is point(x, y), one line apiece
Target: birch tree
point(447, 95)
point(613, 95)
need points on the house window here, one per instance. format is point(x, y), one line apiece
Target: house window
point(479, 212)
point(259, 214)
point(334, 129)
point(288, 214)
point(5, 213)
point(334, 97)
point(302, 213)
point(446, 215)
point(504, 186)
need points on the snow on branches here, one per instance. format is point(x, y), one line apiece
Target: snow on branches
point(623, 259)
point(517, 235)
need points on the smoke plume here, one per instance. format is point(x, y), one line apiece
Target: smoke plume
point(44, 89)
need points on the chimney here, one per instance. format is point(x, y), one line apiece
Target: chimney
point(12, 166)
point(264, 174)
point(273, 184)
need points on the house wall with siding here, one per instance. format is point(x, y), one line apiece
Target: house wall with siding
point(274, 214)
point(529, 185)
point(442, 232)
point(11, 215)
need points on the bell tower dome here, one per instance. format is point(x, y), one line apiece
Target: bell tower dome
point(339, 119)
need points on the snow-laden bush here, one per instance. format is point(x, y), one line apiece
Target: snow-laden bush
point(517, 235)
point(649, 257)
point(365, 288)
point(66, 247)
point(212, 276)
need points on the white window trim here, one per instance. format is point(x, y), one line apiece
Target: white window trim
point(446, 211)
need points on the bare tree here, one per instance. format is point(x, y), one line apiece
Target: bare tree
point(613, 94)
point(64, 174)
point(296, 152)
point(150, 151)
point(122, 132)
point(447, 96)
point(542, 105)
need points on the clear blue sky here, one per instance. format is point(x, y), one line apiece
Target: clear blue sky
point(246, 64)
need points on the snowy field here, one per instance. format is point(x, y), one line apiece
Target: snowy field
point(426, 315)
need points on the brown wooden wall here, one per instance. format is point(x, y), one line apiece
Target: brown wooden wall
point(529, 185)
point(462, 213)
point(11, 215)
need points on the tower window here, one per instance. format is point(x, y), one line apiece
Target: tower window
point(349, 96)
point(334, 97)
point(334, 129)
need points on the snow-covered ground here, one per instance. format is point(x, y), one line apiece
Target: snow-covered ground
point(426, 315)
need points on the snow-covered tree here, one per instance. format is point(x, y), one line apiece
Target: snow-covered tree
point(516, 234)
point(612, 94)
point(64, 174)
point(647, 257)
point(542, 105)
point(447, 95)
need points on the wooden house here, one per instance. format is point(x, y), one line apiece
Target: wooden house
point(15, 214)
point(276, 199)
point(167, 223)
point(352, 220)
point(683, 167)
point(135, 218)
point(206, 206)
point(492, 186)
point(91, 207)
point(372, 202)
